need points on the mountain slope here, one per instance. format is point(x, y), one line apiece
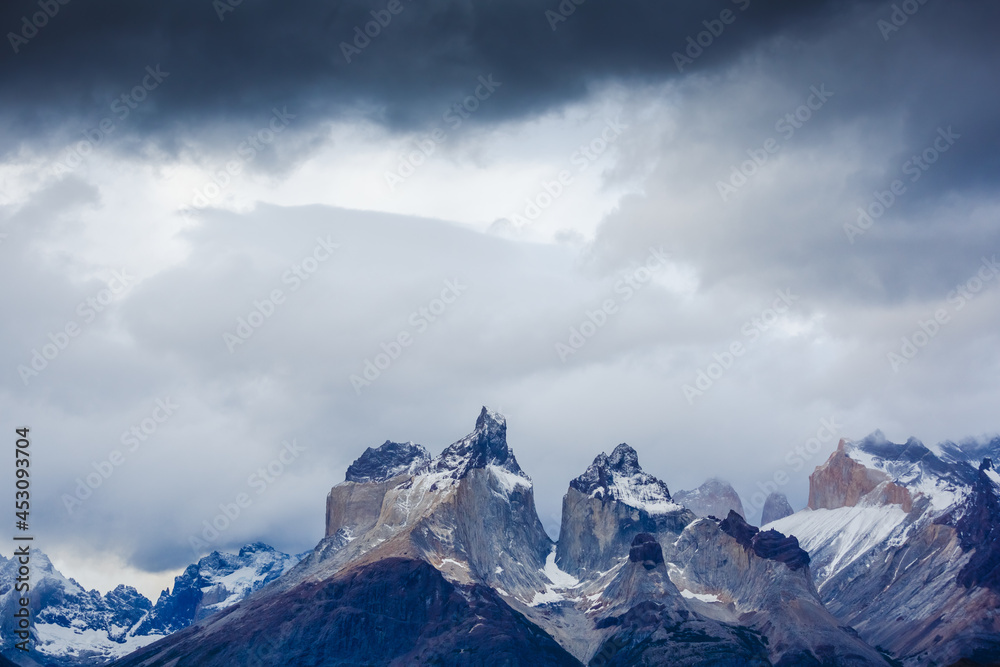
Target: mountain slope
point(391, 612)
point(903, 541)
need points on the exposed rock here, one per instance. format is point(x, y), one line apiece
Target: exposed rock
point(715, 497)
point(769, 544)
point(607, 506)
point(646, 551)
point(767, 594)
point(775, 507)
point(843, 482)
point(387, 461)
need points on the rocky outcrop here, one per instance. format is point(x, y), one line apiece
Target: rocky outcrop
point(843, 482)
point(775, 507)
point(769, 595)
point(646, 551)
point(388, 461)
point(769, 544)
point(715, 497)
point(391, 612)
point(607, 506)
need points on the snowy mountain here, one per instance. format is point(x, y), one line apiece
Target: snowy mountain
point(443, 561)
point(74, 626)
point(903, 540)
point(607, 506)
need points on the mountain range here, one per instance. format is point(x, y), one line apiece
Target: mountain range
point(442, 560)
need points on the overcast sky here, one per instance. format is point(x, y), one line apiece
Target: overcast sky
point(702, 228)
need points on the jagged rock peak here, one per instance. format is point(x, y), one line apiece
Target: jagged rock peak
point(646, 551)
point(387, 461)
point(775, 507)
point(620, 477)
point(769, 544)
point(485, 446)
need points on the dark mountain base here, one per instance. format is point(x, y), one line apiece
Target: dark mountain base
point(652, 634)
point(393, 612)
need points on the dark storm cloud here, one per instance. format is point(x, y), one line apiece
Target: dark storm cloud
point(262, 54)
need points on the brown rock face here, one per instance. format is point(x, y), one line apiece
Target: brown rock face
point(843, 482)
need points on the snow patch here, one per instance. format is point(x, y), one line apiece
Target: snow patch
point(704, 597)
point(559, 578)
point(508, 481)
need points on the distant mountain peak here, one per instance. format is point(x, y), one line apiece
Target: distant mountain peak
point(619, 476)
point(387, 461)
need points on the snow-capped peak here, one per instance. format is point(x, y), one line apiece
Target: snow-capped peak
point(943, 474)
point(620, 477)
point(484, 447)
point(387, 461)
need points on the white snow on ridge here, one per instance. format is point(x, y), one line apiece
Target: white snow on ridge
point(640, 493)
point(835, 538)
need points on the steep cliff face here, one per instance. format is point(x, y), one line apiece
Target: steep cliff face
point(898, 567)
point(843, 482)
point(607, 506)
point(469, 511)
point(715, 497)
